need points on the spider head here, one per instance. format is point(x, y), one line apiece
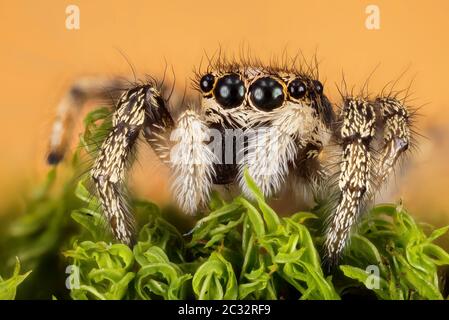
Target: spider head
point(238, 95)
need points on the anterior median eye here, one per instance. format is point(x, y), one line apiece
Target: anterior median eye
point(266, 94)
point(297, 89)
point(229, 91)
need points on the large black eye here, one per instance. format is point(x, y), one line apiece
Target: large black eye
point(297, 89)
point(207, 83)
point(318, 86)
point(266, 94)
point(229, 91)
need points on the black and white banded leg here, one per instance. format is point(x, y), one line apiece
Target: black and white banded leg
point(360, 173)
point(183, 147)
point(134, 108)
point(358, 123)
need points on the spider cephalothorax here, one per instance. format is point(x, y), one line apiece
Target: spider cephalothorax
point(251, 103)
point(275, 122)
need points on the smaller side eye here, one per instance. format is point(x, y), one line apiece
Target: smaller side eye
point(297, 89)
point(207, 83)
point(318, 86)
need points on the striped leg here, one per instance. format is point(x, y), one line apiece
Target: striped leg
point(108, 173)
point(357, 131)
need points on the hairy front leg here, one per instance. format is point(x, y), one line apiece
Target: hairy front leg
point(112, 162)
point(356, 133)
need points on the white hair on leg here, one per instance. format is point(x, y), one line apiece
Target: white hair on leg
point(272, 149)
point(268, 153)
point(191, 161)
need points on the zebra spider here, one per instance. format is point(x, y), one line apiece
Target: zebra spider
point(282, 129)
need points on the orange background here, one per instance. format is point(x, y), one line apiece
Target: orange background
point(39, 58)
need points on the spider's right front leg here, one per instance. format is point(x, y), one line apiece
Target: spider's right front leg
point(135, 106)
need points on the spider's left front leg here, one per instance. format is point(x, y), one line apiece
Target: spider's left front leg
point(361, 174)
point(358, 122)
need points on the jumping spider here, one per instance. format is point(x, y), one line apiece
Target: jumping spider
point(305, 141)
